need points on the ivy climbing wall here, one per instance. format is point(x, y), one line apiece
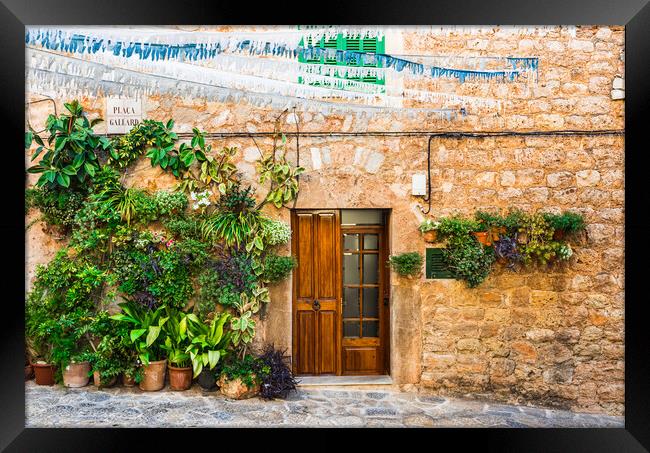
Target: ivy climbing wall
point(551, 336)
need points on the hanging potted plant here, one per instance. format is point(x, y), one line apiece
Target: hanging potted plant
point(176, 343)
point(147, 339)
point(208, 345)
point(565, 224)
point(428, 228)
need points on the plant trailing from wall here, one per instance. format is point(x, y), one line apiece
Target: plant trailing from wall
point(276, 169)
point(278, 268)
point(117, 247)
point(407, 264)
point(70, 156)
point(517, 238)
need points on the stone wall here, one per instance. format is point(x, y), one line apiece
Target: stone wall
point(552, 336)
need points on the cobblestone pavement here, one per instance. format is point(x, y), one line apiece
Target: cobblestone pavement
point(58, 406)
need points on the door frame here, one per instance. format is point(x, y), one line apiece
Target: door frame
point(385, 324)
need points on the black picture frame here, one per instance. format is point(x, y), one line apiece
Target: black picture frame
point(634, 14)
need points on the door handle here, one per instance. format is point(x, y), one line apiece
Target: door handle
point(316, 305)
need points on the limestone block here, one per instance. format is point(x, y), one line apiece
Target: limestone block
point(587, 178)
point(523, 351)
point(582, 45)
point(468, 344)
point(540, 335)
point(559, 374)
point(560, 179)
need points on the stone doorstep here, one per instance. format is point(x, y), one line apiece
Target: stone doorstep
point(384, 382)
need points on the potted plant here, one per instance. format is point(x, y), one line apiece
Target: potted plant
point(241, 378)
point(37, 330)
point(70, 348)
point(406, 264)
point(428, 228)
point(506, 252)
point(279, 381)
point(208, 344)
point(493, 223)
point(565, 224)
point(113, 351)
point(176, 343)
point(481, 228)
point(146, 336)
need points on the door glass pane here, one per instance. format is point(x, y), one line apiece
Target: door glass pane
point(370, 328)
point(351, 241)
point(350, 269)
point(370, 242)
point(350, 302)
point(351, 328)
point(362, 217)
point(370, 269)
point(370, 302)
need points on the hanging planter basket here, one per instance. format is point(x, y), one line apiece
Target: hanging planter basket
point(430, 236)
point(558, 235)
point(496, 232)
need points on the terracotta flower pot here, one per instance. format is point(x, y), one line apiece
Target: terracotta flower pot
point(153, 376)
point(98, 382)
point(236, 389)
point(558, 235)
point(76, 374)
point(128, 381)
point(430, 236)
point(483, 237)
point(180, 378)
point(29, 372)
point(44, 373)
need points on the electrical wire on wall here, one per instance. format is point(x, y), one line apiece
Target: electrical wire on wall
point(503, 134)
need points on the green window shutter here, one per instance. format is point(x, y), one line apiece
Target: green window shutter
point(344, 43)
point(435, 264)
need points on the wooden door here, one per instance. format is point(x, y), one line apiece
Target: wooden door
point(364, 300)
point(316, 292)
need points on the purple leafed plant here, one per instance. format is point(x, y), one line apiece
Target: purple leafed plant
point(506, 248)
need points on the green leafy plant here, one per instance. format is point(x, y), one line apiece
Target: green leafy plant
point(469, 260)
point(407, 264)
point(568, 222)
point(177, 338)
point(146, 334)
point(539, 235)
point(142, 137)
point(243, 325)
point(250, 370)
point(464, 255)
point(275, 232)
point(428, 225)
point(276, 169)
point(70, 157)
point(58, 206)
point(114, 353)
point(277, 268)
point(208, 343)
point(169, 203)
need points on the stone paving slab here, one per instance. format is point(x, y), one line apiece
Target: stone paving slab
point(58, 406)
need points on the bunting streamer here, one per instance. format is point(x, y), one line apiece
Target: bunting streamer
point(52, 75)
point(331, 87)
point(286, 45)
